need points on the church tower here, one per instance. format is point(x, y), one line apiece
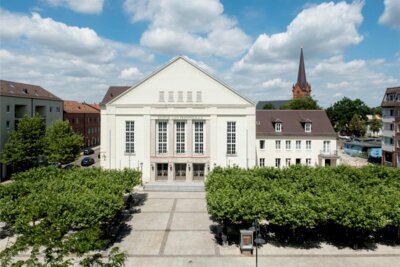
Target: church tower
point(302, 87)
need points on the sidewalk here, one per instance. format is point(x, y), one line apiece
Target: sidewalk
point(173, 229)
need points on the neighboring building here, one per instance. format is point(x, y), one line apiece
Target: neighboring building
point(85, 120)
point(276, 104)
point(20, 99)
point(287, 137)
point(391, 127)
point(368, 148)
point(177, 125)
point(368, 131)
point(302, 87)
point(113, 92)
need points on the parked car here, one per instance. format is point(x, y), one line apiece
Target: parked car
point(87, 161)
point(69, 166)
point(88, 151)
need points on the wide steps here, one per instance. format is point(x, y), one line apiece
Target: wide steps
point(174, 187)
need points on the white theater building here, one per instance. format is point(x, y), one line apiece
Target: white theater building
point(177, 125)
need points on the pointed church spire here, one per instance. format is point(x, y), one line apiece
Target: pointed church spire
point(301, 78)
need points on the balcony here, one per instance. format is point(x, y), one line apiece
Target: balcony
point(328, 153)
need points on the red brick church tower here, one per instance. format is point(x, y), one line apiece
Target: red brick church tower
point(302, 87)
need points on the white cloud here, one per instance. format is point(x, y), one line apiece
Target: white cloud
point(276, 83)
point(55, 35)
point(391, 14)
point(194, 27)
point(81, 6)
point(324, 30)
point(130, 74)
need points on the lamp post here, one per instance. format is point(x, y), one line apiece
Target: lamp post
point(259, 240)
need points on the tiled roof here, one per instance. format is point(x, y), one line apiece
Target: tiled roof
point(277, 104)
point(96, 106)
point(112, 92)
point(293, 123)
point(394, 103)
point(76, 107)
point(15, 89)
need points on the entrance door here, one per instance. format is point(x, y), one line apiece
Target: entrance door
point(198, 172)
point(327, 162)
point(162, 172)
point(180, 172)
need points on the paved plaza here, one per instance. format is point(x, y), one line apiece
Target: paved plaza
point(173, 229)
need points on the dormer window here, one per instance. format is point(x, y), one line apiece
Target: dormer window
point(307, 127)
point(278, 127)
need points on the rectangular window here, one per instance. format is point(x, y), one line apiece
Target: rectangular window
point(180, 137)
point(199, 137)
point(180, 96)
point(288, 144)
point(262, 162)
point(308, 144)
point(327, 146)
point(298, 144)
point(198, 96)
point(8, 108)
point(189, 96)
point(308, 162)
point(198, 172)
point(170, 96)
point(278, 127)
point(288, 162)
point(278, 144)
point(231, 138)
point(129, 136)
point(8, 124)
point(161, 97)
point(58, 109)
point(162, 137)
point(262, 144)
point(278, 162)
point(307, 127)
point(77, 120)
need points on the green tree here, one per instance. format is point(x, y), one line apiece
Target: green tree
point(268, 106)
point(341, 113)
point(375, 124)
point(25, 145)
point(356, 126)
point(304, 103)
point(376, 111)
point(62, 144)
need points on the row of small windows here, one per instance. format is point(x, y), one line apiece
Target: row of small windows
point(288, 144)
point(58, 109)
point(76, 120)
point(278, 127)
point(179, 96)
point(288, 162)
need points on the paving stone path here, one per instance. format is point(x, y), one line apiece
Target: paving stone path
point(173, 229)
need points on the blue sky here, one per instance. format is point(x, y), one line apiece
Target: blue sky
point(76, 48)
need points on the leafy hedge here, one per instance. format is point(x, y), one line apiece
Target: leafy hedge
point(366, 198)
point(62, 211)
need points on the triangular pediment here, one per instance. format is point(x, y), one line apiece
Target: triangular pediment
point(181, 83)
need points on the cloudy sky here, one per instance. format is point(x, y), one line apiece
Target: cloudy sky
point(77, 48)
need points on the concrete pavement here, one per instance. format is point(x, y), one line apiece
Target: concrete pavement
point(173, 229)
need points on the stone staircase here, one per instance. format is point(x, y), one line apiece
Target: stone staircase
point(174, 186)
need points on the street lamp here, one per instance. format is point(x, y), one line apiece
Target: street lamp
point(259, 240)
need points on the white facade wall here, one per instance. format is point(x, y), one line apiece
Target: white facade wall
point(142, 104)
point(270, 153)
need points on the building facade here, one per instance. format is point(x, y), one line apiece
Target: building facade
point(287, 137)
point(20, 99)
point(177, 125)
point(391, 127)
point(85, 120)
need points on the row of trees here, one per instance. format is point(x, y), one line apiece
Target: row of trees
point(31, 142)
point(364, 199)
point(62, 213)
point(347, 116)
